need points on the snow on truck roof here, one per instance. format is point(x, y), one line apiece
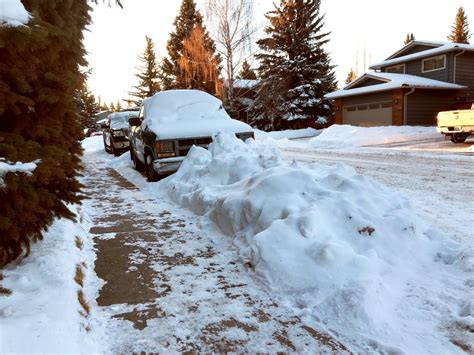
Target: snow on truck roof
point(188, 113)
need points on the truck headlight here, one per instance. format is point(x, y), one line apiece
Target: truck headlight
point(118, 133)
point(245, 136)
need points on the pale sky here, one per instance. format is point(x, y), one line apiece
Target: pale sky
point(117, 36)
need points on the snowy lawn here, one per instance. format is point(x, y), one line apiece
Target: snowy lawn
point(347, 136)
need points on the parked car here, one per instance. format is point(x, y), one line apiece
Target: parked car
point(457, 123)
point(115, 132)
point(170, 123)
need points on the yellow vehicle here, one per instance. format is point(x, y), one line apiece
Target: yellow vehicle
point(457, 124)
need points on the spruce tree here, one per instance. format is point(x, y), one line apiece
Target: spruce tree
point(409, 38)
point(460, 31)
point(149, 74)
point(247, 72)
point(172, 75)
point(351, 76)
point(88, 107)
point(118, 106)
point(39, 82)
point(295, 70)
point(112, 107)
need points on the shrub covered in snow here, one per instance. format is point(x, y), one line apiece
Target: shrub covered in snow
point(337, 241)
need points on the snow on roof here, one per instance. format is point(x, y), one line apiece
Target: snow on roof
point(392, 81)
point(442, 48)
point(417, 43)
point(188, 113)
point(119, 120)
point(12, 13)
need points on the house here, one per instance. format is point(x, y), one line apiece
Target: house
point(410, 87)
point(245, 92)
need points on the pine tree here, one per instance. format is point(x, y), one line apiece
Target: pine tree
point(409, 38)
point(351, 76)
point(247, 72)
point(88, 107)
point(149, 74)
point(460, 32)
point(112, 107)
point(172, 75)
point(118, 106)
point(295, 69)
point(39, 82)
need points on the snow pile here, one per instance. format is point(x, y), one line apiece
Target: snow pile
point(12, 13)
point(18, 167)
point(188, 113)
point(42, 313)
point(346, 135)
point(119, 120)
point(93, 144)
point(288, 134)
point(336, 242)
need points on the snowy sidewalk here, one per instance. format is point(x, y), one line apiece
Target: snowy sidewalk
point(173, 285)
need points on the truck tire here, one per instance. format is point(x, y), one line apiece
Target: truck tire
point(459, 137)
point(150, 172)
point(137, 164)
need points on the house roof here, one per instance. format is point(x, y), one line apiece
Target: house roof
point(440, 48)
point(391, 81)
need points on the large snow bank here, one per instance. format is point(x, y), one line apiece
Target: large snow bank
point(18, 167)
point(13, 13)
point(188, 113)
point(338, 242)
point(346, 135)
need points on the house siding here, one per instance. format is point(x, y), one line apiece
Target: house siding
point(465, 72)
point(424, 105)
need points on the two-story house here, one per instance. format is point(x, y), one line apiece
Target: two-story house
point(410, 87)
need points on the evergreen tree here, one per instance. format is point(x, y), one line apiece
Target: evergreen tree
point(460, 32)
point(105, 107)
point(39, 82)
point(118, 107)
point(88, 107)
point(172, 75)
point(295, 70)
point(409, 38)
point(149, 74)
point(351, 76)
point(247, 72)
point(112, 107)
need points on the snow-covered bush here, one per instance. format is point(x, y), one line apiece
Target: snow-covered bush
point(339, 242)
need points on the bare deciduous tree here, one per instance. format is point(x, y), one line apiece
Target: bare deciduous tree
point(233, 29)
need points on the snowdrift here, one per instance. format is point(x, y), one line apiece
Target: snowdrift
point(338, 242)
point(346, 135)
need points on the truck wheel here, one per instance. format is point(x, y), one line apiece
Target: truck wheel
point(150, 172)
point(137, 164)
point(459, 137)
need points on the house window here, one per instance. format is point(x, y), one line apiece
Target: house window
point(435, 63)
point(397, 69)
point(351, 109)
point(374, 107)
point(362, 108)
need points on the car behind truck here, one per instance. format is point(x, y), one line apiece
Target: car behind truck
point(170, 123)
point(457, 124)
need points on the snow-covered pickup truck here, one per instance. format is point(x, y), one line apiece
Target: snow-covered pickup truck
point(170, 123)
point(457, 124)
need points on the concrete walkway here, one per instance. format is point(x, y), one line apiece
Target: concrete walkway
point(172, 284)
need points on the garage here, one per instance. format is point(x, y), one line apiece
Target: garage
point(368, 114)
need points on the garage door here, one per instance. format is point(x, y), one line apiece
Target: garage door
point(368, 115)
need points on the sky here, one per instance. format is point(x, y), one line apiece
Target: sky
point(374, 27)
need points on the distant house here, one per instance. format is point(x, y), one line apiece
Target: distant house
point(245, 92)
point(410, 87)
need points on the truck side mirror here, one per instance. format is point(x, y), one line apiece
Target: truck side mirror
point(134, 121)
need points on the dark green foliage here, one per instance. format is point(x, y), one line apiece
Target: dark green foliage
point(148, 76)
point(172, 75)
point(246, 72)
point(88, 107)
point(39, 81)
point(409, 38)
point(460, 32)
point(295, 70)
